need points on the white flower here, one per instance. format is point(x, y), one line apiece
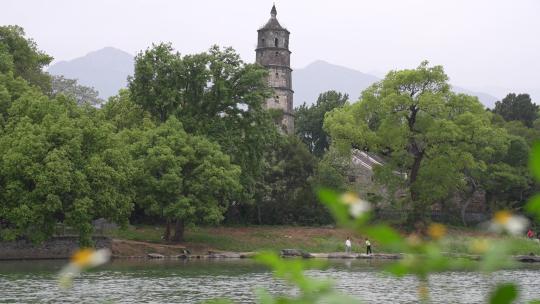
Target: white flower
point(504, 221)
point(357, 206)
point(82, 260)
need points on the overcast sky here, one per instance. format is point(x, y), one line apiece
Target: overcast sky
point(488, 45)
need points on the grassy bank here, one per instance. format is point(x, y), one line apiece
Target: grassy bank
point(242, 239)
point(311, 239)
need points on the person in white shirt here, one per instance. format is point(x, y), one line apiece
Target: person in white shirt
point(368, 246)
point(348, 245)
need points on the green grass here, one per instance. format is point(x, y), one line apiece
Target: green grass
point(516, 245)
point(140, 233)
point(221, 242)
point(275, 238)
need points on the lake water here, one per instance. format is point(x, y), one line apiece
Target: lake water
point(124, 281)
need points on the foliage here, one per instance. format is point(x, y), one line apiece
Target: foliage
point(72, 89)
point(504, 294)
point(429, 135)
point(288, 196)
point(506, 178)
point(517, 128)
point(180, 177)
point(533, 206)
point(213, 94)
point(309, 121)
point(332, 171)
point(156, 85)
point(123, 113)
point(59, 163)
point(21, 57)
point(517, 107)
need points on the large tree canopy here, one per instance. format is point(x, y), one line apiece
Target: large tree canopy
point(428, 134)
point(213, 94)
point(59, 163)
point(287, 196)
point(182, 178)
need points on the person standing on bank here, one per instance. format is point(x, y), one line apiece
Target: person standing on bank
point(368, 246)
point(348, 245)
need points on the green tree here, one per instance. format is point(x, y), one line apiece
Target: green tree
point(506, 179)
point(71, 88)
point(517, 107)
point(183, 178)
point(59, 163)
point(332, 171)
point(309, 121)
point(428, 134)
point(157, 84)
point(287, 195)
point(213, 94)
point(123, 113)
point(519, 129)
point(20, 56)
point(10, 90)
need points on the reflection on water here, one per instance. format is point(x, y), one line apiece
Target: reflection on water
point(134, 281)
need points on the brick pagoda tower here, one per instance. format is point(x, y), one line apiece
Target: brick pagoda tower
point(273, 53)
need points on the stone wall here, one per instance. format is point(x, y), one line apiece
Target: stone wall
point(56, 248)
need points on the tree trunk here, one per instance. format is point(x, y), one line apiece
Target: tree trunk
point(167, 235)
point(468, 202)
point(415, 168)
point(259, 218)
point(464, 210)
point(416, 214)
point(178, 231)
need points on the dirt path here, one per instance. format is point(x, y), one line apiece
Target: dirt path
point(126, 248)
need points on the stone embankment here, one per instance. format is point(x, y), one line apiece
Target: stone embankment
point(338, 255)
point(210, 255)
point(286, 253)
point(61, 247)
point(385, 256)
point(527, 258)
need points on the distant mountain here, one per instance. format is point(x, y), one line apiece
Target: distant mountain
point(106, 70)
point(321, 76)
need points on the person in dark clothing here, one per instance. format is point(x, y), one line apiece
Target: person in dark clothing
point(368, 246)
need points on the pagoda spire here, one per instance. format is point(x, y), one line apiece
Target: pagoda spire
point(273, 12)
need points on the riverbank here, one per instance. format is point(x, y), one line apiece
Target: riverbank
point(238, 242)
point(308, 239)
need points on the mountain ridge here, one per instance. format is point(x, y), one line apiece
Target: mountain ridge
point(107, 70)
point(320, 76)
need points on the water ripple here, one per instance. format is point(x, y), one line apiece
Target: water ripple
point(193, 282)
